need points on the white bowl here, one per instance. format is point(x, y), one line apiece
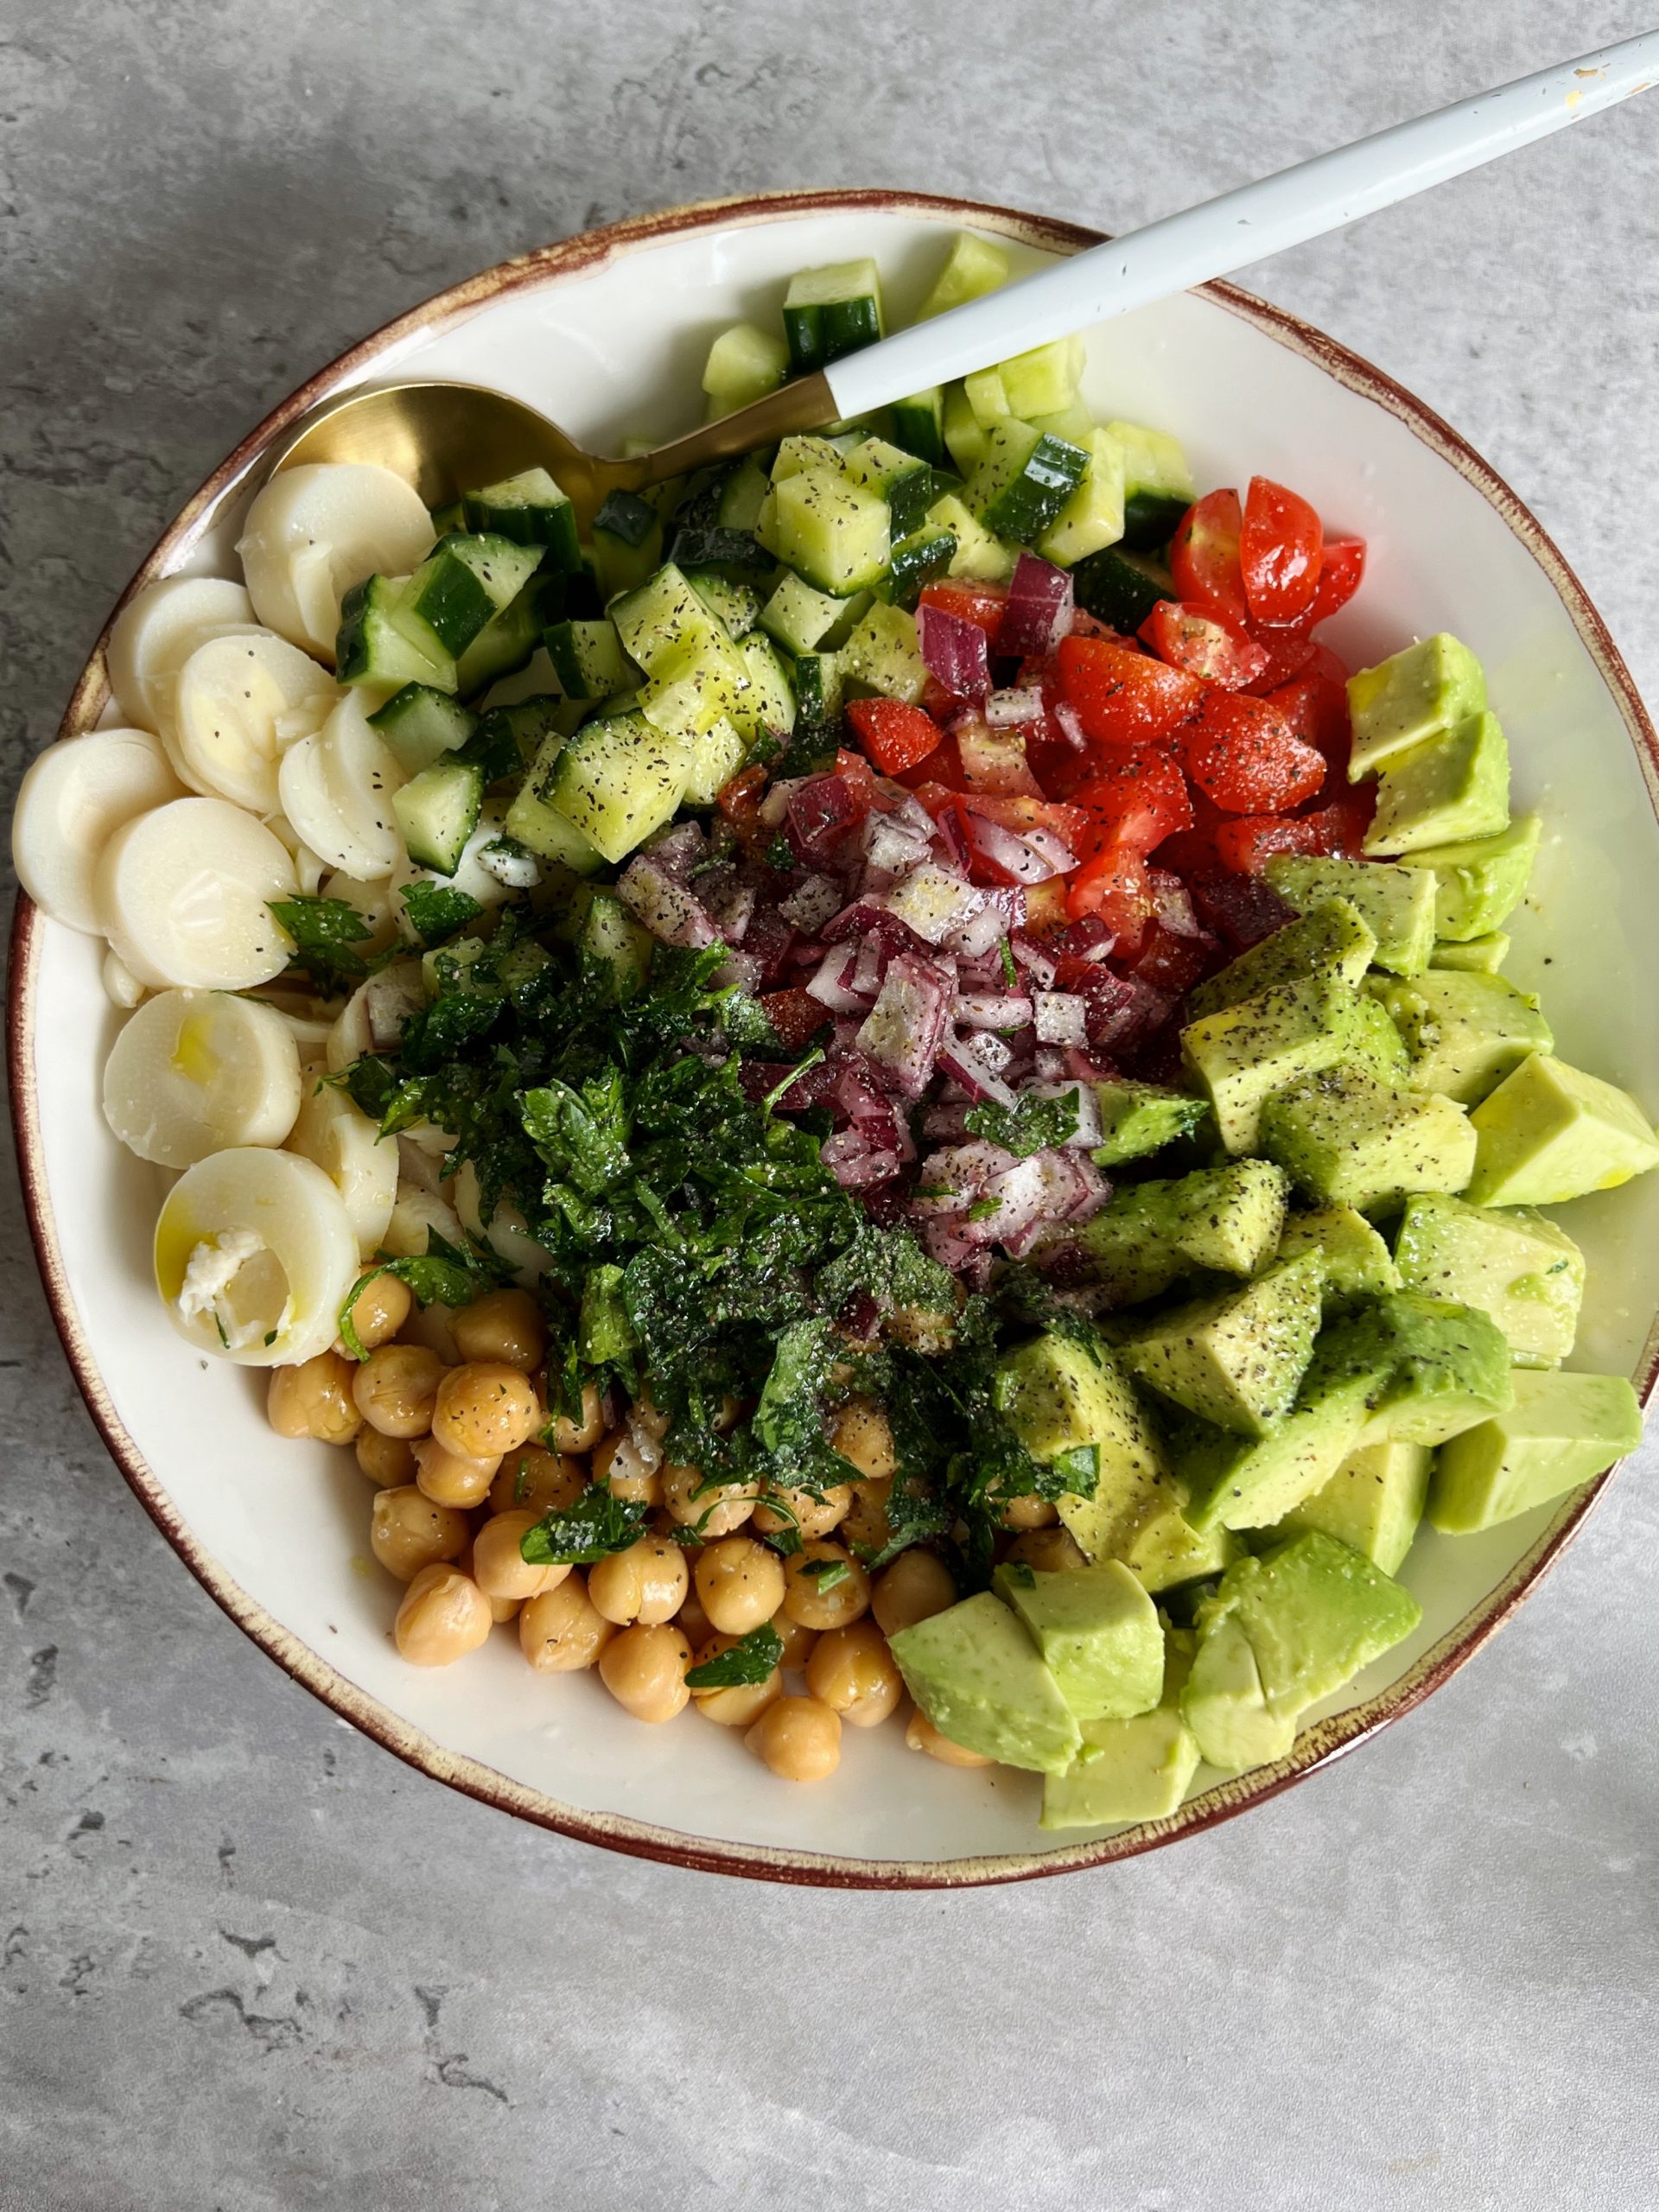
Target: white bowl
point(607, 333)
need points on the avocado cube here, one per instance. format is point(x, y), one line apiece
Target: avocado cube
point(1329, 942)
point(1374, 1502)
point(1358, 1264)
point(979, 1678)
point(1164, 1550)
point(1098, 1632)
point(1520, 1269)
point(1369, 1038)
point(1236, 1360)
point(1348, 1136)
point(1481, 956)
point(1396, 904)
point(1241, 1057)
point(1134, 1770)
point(1465, 1033)
point(1549, 1133)
point(1561, 1430)
point(1419, 693)
point(1225, 1705)
point(1130, 1248)
point(1226, 1218)
point(1454, 787)
point(1058, 1397)
point(1449, 1367)
point(1480, 881)
point(1136, 1118)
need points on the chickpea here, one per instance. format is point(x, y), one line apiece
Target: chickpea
point(693, 1620)
point(542, 1482)
point(626, 1472)
point(385, 1460)
point(798, 1640)
point(1027, 1511)
point(716, 1512)
point(644, 1416)
point(559, 1631)
point(504, 1327)
point(741, 1703)
point(500, 1567)
point(853, 1673)
point(410, 1531)
point(647, 1582)
point(866, 1527)
point(643, 1668)
point(484, 1409)
point(381, 1309)
point(801, 1509)
point(581, 1435)
point(922, 1328)
point(798, 1738)
point(443, 1616)
point(1055, 1551)
point(315, 1399)
point(445, 1476)
point(502, 1609)
point(916, 1587)
point(863, 1434)
point(921, 1735)
point(740, 1583)
point(397, 1387)
point(825, 1600)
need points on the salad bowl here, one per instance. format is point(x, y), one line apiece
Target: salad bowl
point(606, 332)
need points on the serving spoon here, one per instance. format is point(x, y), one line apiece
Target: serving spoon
point(446, 438)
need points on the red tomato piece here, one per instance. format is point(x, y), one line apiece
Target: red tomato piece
point(1325, 663)
point(894, 736)
point(1243, 754)
point(1286, 651)
point(1249, 842)
point(1138, 801)
point(794, 1015)
point(1339, 577)
point(1124, 696)
point(1174, 964)
point(942, 770)
point(867, 793)
point(994, 760)
point(1316, 712)
point(1204, 555)
point(1114, 885)
point(1069, 823)
point(739, 801)
point(1191, 637)
point(981, 604)
point(1280, 551)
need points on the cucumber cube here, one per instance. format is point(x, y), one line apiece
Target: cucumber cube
point(973, 267)
point(437, 811)
point(918, 424)
point(531, 509)
point(830, 312)
point(1093, 517)
point(964, 439)
point(1025, 479)
point(744, 365)
point(833, 532)
point(382, 642)
point(420, 724)
point(617, 780)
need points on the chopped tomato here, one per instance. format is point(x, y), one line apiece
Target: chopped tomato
point(942, 768)
point(1174, 964)
point(981, 604)
point(1280, 551)
point(1193, 637)
point(1325, 662)
point(1085, 625)
point(894, 736)
point(1344, 823)
point(1124, 696)
point(1316, 712)
point(870, 798)
point(1204, 555)
point(1286, 651)
point(937, 702)
point(1247, 842)
point(739, 800)
point(1137, 801)
point(1245, 755)
point(994, 760)
point(1339, 576)
point(1114, 885)
point(794, 1015)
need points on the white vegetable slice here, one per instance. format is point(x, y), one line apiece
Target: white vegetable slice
point(76, 795)
point(371, 1019)
point(471, 875)
point(374, 900)
point(156, 632)
point(415, 1214)
point(255, 1255)
point(336, 790)
point(508, 1234)
point(308, 868)
point(196, 1071)
point(351, 1152)
point(121, 986)
point(316, 531)
point(183, 891)
point(222, 723)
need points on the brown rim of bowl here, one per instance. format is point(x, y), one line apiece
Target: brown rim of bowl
point(1324, 1742)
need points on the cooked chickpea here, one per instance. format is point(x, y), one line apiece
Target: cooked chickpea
point(1027, 1511)
point(803, 1510)
point(643, 1668)
point(816, 1595)
point(381, 1309)
point(581, 1435)
point(921, 1735)
point(799, 1738)
point(740, 1583)
point(444, 1475)
point(798, 1640)
point(484, 1409)
point(741, 1703)
point(916, 1587)
point(866, 1527)
point(644, 1415)
point(863, 1434)
point(315, 1399)
point(501, 1609)
point(647, 1582)
point(443, 1616)
point(542, 1482)
point(410, 1531)
point(384, 1459)
point(560, 1631)
point(853, 1673)
point(633, 1475)
point(692, 1617)
point(714, 1512)
point(397, 1387)
point(1055, 1551)
point(500, 1567)
point(503, 1327)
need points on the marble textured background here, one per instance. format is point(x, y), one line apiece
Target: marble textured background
point(249, 1961)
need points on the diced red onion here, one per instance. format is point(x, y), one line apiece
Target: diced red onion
point(665, 905)
point(676, 850)
point(870, 915)
point(1016, 858)
point(888, 849)
point(821, 812)
point(950, 1181)
point(774, 811)
point(983, 930)
point(945, 1120)
point(854, 1162)
point(1059, 855)
point(903, 1032)
point(736, 970)
point(1061, 1018)
point(1038, 611)
point(1050, 1064)
point(1243, 908)
point(1068, 722)
point(955, 650)
point(868, 968)
point(943, 1243)
point(1173, 903)
point(932, 901)
point(733, 913)
point(831, 986)
point(770, 940)
point(811, 901)
point(1087, 1133)
point(1035, 962)
point(1019, 703)
point(991, 1010)
point(961, 1060)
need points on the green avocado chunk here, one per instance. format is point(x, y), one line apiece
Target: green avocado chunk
point(1347, 1136)
point(1358, 1264)
point(1062, 1402)
point(1136, 1118)
point(1135, 1769)
point(1097, 1630)
point(1549, 1133)
point(1419, 693)
point(1449, 1367)
point(1561, 1430)
point(1515, 1266)
point(1465, 1033)
point(1242, 1055)
point(1452, 788)
point(1396, 903)
point(1480, 955)
point(1163, 1550)
point(1329, 942)
point(1373, 1502)
point(1480, 881)
point(1226, 1706)
point(1236, 1360)
point(980, 1681)
point(1152, 1234)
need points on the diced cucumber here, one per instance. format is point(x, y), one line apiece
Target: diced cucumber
point(542, 829)
point(1093, 516)
point(464, 583)
point(688, 691)
point(917, 560)
point(419, 724)
point(661, 617)
point(767, 709)
point(1153, 462)
point(799, 616)
point(988, 397)
point(1044, 380)
point(627, 517)
point(1024, 482)
point(802, 452)
point(745, 363)
point(617, 780)
point(622, 562)
point(736, 607)
point(588, 659)
point(818, 682)
point(737, 504)
point(882, 655)
point(918, 424)
point(508, 739)
point(1073, 423)
point(437, 812)
point(1120, 588)
point(1151, 518)
point(908, 485)
point(738, 552)
point(979, 553)
point(831, 530)
point(615, 945)
point(830, 312)
point(452, 516)
point(504, 645)
point(531, 509)
point(973, 267)
point(852, 611)
point(380, 642)
point(716, 756)
point(964, 439)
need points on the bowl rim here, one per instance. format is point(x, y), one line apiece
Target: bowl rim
point(567, 259)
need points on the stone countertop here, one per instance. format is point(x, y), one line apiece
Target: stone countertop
point(247, 1959)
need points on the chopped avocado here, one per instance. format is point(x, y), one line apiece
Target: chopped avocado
point(1481, 956)
point(1135, 1769)
point(1480, 882)
point(980, 1681)
point(1465, 1033)
point(1136, 1118)
point(1329, 942)
point(1449, 1367)
point(1419, 693)
point(1515, 1266)
point(1241, 1057)
point(1236, 1360)
point(1058, 1396)
point(1226, 1218)
point(1453, 787)
point(1357, 1261)
point(1370, 1038)
point(1225, 1705)
point(1396, 903)
point(1347, 1136)
point(1549, 1133)
point(1097, 1631)
point(1164, 1550)
point(1374, 1502)
point(1560, 1430)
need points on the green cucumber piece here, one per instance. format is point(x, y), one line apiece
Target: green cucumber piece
point(615, 947)
point(818, 682)
point(1092, 517)
point(882, 655)
point(626, 516)
point(1025, 479)
point(736, 551)
point(451, 516)
point(716, 755)
point(507, 738)
point(689, 691)
point(767, 709)
point(918, 424)
point(735, 607)
point(661, 617)
point(504, 645)
point(1044, 380)
point(973, 267)
point(420, 724)
point(745, 363)
point(978, 553)
point(588, 659)
point(381, 642)
point(1120, 588)
point(1150, 518)
point(965, 441)
point(799, 616)
point(830, 312)
point(541, 829)
point(437, 812)
point(531, 509)
point(464, 583)
point(834, 533)
point(917, 560)
point(617, 780)
point(908, 485)
point(740, 494)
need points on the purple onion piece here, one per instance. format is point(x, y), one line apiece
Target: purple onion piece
point(663, 904)
point(903, 1032)
point(1019, 703)
point(992, 1010)
point(1038, 612)
point(956, 652)
point(1061, 1018)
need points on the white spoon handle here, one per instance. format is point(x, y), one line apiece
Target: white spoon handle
point(1240, 227)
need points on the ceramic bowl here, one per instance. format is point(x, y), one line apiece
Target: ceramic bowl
point(607, 333)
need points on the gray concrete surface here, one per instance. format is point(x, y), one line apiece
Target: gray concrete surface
point(246, 1960)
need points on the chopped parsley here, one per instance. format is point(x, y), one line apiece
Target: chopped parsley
point(1029, 1125)
point(594, 1527)
point(325, 933)
point(826, 1573)
point(751, 1659)
point(438, 912)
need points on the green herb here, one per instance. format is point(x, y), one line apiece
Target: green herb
point(1016, 1572)
point(324, 932)
point(984, 1209)
point(781, 854)
point(794, 1075)
point(1011, 972)
point(826, 1573)
point(443, 1274)
point(1031, 1124)
point(438, 912)
point(751, 1659)
point(594, 1527)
